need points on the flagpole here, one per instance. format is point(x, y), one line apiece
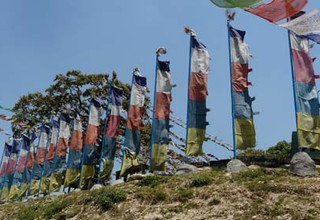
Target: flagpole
point(188, 98)
point(232, 94)
point(154, 108)
point(3, 153)
point(293, 79)
point(44, 164)
point(27, 160)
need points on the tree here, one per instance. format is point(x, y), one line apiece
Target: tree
point(70, 92)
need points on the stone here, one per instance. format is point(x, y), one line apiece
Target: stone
point(153, 216)
point(254, 167)
point(96, 186)
point(116, 182)
point(186, 169)
point(138, 176)
point(205, 169)
point(301, 164)
point(236, 166)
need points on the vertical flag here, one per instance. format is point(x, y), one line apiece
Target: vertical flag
point(61, 154)
point(20, 171)
point(11, 166)
point(134, 122)
point(308, 118)
point(197, 95)
point(74, 157)
point(5, 161)
point(39, 161)
point(161, 117)
point(50, 156)
point(89, 154)
point(109, 147)
point(242, 102)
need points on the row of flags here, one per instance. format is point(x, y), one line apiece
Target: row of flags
point(66, 156)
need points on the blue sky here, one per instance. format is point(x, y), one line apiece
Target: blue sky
point(42, 38)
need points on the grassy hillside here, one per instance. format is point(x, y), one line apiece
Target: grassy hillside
point(253, 194)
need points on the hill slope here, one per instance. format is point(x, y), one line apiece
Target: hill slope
point(253, 194)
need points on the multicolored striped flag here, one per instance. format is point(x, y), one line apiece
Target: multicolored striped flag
point(160, 127)
point(109, 143)
point(89, 151)
point(242, 102)
point(197, 95)
point(20, 174)
point(75, 154)
point(39, 163)
point(306, 25)
point(50, 156)
point(308, 117)
point(235, 3)
point(134, 122)
point(59, 169)
point(5, 161)
point(278, 10)
point(11, 166)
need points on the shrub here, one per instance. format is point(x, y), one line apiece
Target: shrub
point(152, 195)
point(106, 197)
point(152, 181)
point(184, 194)
point(53, 208)
point(28, 213)
point(200, 180)
point(282, 150)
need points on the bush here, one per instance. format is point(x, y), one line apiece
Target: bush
point(252, 153)
point(200, 180)
point(53, 208)
point(282, 150)
point(184, 194)
point(152, 181)
point(106, 197)
point(152, 195)
point(28, 213)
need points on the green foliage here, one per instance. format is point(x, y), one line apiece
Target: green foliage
point(28, 213)
point(282, 150)
point(54, 207)
point(106, 197)
point(250, 174)
point(183, 194)
point(200, 180)
point(152, 181)
point(152, 195)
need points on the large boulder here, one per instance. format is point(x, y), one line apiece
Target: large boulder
point(301, 164)
point(236, 166)
point(96, 186)
point(186, 169)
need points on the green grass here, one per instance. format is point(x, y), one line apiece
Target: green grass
point(152, 195)
point(152, 181)
point(106, 197)
point(183, 194)
point(200, 180)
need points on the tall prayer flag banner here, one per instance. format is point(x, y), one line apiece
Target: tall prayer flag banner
point(109, 144)
point(11, 166)
point(39, 162)
point(161, 117)
point(306, 25)
point(134, 123)
point(75, 154)
point(21, 175)
point(278, 10)
point(59, 169)
point(197, 95)
point(242, 102)
point(50, 156)
point(5, 161)
point(235, 3)
point(308, 118)
point(88, 157)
